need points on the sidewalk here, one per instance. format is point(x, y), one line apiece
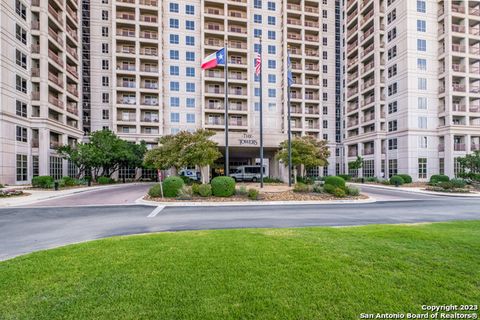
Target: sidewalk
point(418, 190)
point(41, 195)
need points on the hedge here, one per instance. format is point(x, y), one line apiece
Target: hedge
point(397, 180)
point(105, 180)
point(406, 178)
point(155, 191)
point(171, 186)
point(205, 190)
point(436, 178)
point(44, 182)
point(335, 181)
point(223, 186)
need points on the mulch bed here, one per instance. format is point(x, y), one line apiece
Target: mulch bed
point(264, 196)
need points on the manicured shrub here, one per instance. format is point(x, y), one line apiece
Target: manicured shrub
point(458, 183)
point(105, 180)
point(352, 191)
point(406, 178)
point(171, 186)
point(436, 178)
point(242, 191)
point(335, 181)
point(155, 191)
point(371, 179)
point(339, 193)
point(272, 180)
point(185, 193)
point(44, 182)
point(447, 185)
point(396, 180)
point(306, 180)
point(223, 186)
point(345, 177)
point(196, 189)
point(205, 190)
point(328, 188)
point(301, 187)
point(317, 188)
point(69, 181)
point(187, 180)
point(253, 194)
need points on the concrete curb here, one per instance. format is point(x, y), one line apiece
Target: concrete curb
point(248, 203)
point(414, 190)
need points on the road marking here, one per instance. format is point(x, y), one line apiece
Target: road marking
point(154, 213)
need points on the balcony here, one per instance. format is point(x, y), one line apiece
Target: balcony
point(126, 15)
point(126, 33)
point(459, 147)
point(149, 51)
point(458, 28)
point(294, 7)
point(295, 22)
point(458, 87)
point(368, 151)
point(52, 55)
point(458, 8)
point(55, 101)
point(55, 79)
point(72, 33)
point(55, 14)
point(475, 89)
point(72, 108)
point(150, 3)
point(72, 88)
point(148, 18)
point(126, 100)
point(352, 123)
point(151, 69)
point(148, 35)
point(459, 107)
point(458, 48)
point(237, 14)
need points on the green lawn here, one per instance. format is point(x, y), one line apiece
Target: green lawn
point(312, 273)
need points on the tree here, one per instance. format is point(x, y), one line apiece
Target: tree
point(356, 164)
point(470, 165)
point(184, 149)
point(306, 151)
point(104, 152)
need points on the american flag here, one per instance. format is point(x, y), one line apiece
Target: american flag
point(258, 63)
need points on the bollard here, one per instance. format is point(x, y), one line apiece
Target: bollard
point(363, 180)
point(55, 185)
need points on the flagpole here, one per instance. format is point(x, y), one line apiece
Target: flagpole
point(289, 122)
point(227, 156)
point(261, 113)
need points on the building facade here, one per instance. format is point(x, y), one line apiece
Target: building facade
point(40, 87)
point(395, 82)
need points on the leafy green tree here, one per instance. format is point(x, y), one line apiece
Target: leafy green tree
point(356, 164)
point(470, 165)
point(184, 149)
point(306, 151)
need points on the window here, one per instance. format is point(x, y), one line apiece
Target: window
point(190, 118)
point(21, 109)
point(441, 166)
point(21, 9)
point(22, 165)
point(324, 14)
point(105, 114)
point(174, 102)
point(422, 84)
point(257, 33)
point(257, 18)
point(21, 34)
point(422, 122)
point(423, 142)
point(421, 6)
point(174, 23)
point(190, 87)
point(368, 168)
point(271, 35)
point(272, 78)
point(105, 65)
point(173, 7)
point(392, 89)
point(272, 64)
point(392, 15)
point(272, 93)
point(190, 56)
point(392, 107)
point(257, 4)
point(272, 107)
point(271, 20)
point(104, 15)
point(174, 39)
point(174, 55)
point(72, 169)
point(392, 52)
point(21, 59)
point(35, 166)
point(190, 25)
point(393, 144)
point(174, 70)
point(392, 167)
point(421, 45)
point(392, 71)
point(175, 117)
point(190, 41)
point(422, 168)
point(272, 49)
point(21, 84)
point(190, 72)
point(190, 102)
point(105, 81)
point(422, 103)
point(392, 34)
point(105, 97)
point(104, 31)
point(190, 9)
point(105, 48)
point(271, 5)
point(174, 86)
point(21, 134)
point(56, 167)
point(421, 26)
point(422, 64)
point(392, 126)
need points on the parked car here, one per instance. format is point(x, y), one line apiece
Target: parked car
point(246, 173)
point(192, 174)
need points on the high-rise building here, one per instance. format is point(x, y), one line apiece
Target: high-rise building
point(411, 85)
point(40, 87)
point(395, 82)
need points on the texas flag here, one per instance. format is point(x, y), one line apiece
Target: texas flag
point(214, 59)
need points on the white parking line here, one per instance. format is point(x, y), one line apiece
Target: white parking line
point(154, 213)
